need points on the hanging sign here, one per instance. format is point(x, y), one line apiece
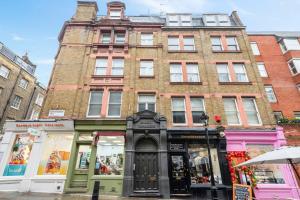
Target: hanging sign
point(242, 192)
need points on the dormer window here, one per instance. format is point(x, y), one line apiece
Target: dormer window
point(174, 20)
point(115, 14)
point(120, 38)
point(216, 20)
point(179, 20)
point(186, 20)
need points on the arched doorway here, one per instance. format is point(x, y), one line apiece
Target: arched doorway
point(146, 166)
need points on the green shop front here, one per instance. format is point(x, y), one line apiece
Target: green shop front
point(97, 157)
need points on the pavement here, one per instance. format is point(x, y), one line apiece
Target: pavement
point(44, 196)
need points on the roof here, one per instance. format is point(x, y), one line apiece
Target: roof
point(277, 33)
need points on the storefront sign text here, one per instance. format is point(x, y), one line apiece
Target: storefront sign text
point(37, 125)
point(176, 147)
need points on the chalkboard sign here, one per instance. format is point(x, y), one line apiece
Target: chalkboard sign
point(242, 192)
point(176, 147)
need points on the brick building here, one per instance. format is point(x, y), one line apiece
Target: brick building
point(140, 84)
point(18, 87)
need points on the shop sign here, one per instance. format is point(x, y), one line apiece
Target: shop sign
point(242, 192)
point(176, 147)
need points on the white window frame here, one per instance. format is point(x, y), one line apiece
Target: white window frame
point(184, 21)
point(296, 67)
point(286, 48)
point(262, 71)
point(23, 83)
point(210, 22)
point(148, 62)
point(187, 73)
point(271, 94)
point(227, 73)
point(112, 67)
point(172, 21)
point(185, 118)
point(146, 103)
point(4, 71)
point(222, 22)
point(107, 110)
point(34, 111)
point(255, 48)
point(117, 38)
point(88, 107)
point(147, 41)
point(236, 43)
point(189, 45)
point(118, 16)
point(245, 71)
point(19, 102)
point(237, 111)
point(212, 44)
point(178, 43)
point(176, 73)
point(203, 105)
point(257, 113)
point(105, 41)
point(101, 67)
point(37, 101)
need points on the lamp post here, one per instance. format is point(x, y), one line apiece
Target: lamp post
point(205, 119)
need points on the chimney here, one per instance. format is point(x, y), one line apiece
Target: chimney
point(86, 11)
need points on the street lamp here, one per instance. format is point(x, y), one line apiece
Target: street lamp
point(205, 119)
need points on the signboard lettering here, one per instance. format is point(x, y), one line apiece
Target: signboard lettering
point(242, 192)
point(176, 147)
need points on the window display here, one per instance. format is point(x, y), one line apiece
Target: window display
point(83, 157)
point(19, 156)
point(56, 154)
point(110, 155)
point(265, 173)
point(199, 164)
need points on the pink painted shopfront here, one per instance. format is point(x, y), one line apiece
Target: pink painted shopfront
point(271, 181)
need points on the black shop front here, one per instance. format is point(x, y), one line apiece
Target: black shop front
point(195, 170)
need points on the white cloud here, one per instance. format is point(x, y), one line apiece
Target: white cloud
point(46, 61)
point(171, 6)
point(16, 37)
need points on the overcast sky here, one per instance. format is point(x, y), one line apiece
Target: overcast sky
point(33, 25)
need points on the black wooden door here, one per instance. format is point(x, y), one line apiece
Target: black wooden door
point(146, 172)
point(179, 174)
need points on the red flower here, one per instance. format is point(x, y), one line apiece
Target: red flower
point(218, 118)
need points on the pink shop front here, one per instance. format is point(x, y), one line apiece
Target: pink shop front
point(271, 181)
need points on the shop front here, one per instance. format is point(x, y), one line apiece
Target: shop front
point(97, 158)
point(35, 155)
point(268, 181)
point(195, 170)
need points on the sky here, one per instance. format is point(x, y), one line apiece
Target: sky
point(33, 25)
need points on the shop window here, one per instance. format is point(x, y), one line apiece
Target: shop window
point(83, 157)
point(176, 72)
point(110, 155)
point(216, 43)
point(265, 173)
point(173, 43)
point(16, 102)
point(223, 72)
point(114, 106)
point(23, 83)
point(147, 39)
point(105, 38)
point(117, 66)
point(4, 71)
point(56, 154)
point(101, 66)
point(192, 72)
point(262, 70)
point(232, 43)
point(19, 157)
point(146, 102)
point(189, 43)
point(146, 68)
point(231, 111)
point(178, 110)
point(270, 94)
point(199, 164)
point(95, 103)
point(251, 111)
point(240, 72)
point(197, 105)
